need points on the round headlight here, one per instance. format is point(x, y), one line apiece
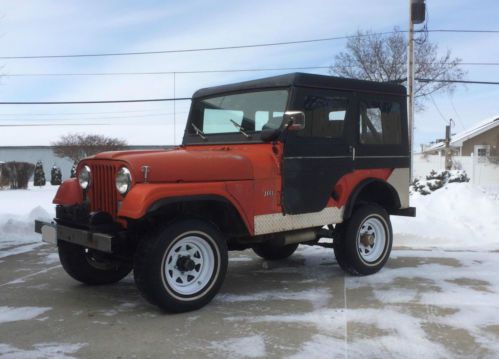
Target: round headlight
point(123, 180)
point(85, 177)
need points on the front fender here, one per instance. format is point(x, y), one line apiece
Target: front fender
point(69, 193)
point(145, 196)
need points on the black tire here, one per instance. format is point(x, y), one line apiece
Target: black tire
point(270, 251)
point(159, 257)
point(91, 267)
point(348, 246)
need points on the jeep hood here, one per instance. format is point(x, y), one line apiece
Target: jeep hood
point(185, 165)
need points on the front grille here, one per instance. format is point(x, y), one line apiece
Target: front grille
point(102, 192)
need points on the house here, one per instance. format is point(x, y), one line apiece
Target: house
point(480, 140)
point(33, 144)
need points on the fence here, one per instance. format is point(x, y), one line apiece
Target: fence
point(482, 170)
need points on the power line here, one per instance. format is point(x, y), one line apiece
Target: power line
point(189, 98)
point(464, 31)
point(217, 48)
point(234, 47)
point(438, 109)
point(460, 81)
point(173, 72)
point(58, 124)
point(163, 115)
point(202, 71)
point(77, 113)
point(92, 102)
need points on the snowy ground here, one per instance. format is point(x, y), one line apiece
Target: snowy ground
point(438, 296)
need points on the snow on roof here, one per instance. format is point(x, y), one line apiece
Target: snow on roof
point(434, 147)
point(457, 140)
point(135, 135)
point(476, 130)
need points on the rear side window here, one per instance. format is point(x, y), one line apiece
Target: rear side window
point(380, 123)
point(325, 116)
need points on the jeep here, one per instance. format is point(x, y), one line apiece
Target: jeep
point(266, 164)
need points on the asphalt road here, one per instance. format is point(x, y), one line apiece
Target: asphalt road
point(430, 304)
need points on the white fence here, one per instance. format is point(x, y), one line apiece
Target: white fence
point(481, 170)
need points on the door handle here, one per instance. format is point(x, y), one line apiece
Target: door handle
point(352, 151)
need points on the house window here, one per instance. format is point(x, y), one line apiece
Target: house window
point(482, 152)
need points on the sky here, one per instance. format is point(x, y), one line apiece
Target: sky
point(44, 27)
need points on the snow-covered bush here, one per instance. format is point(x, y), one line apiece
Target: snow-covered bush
point(17, 174)
point(436, 180)
point(55, 176)
point(39, 179)
point(73, 170)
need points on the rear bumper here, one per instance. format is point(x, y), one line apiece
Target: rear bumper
point(406, 212)
point(52, 233)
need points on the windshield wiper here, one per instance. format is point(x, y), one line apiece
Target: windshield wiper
point(241, 128)
point(198, 131)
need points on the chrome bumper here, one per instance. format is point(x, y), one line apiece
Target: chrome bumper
point(52, 232)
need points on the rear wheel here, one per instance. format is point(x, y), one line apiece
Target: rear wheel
point(270, 251)
point(364, 241)
point(182, 267)
point(91, 267)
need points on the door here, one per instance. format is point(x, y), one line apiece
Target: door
point(381, 139)
point(316, 157)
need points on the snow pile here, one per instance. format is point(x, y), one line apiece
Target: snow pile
point(457, 216)
point(18, 211)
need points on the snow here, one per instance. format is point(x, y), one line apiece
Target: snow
point(458, 216)
point(18, 211)
point(245, 347)
point(40, 351)
point(14, 314)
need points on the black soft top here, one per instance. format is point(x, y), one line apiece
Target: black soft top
point(305, 80)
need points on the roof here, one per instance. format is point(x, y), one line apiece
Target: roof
point(476, 130)
point(305, 80)
point(461, 137)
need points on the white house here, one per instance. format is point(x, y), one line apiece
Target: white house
point(32, 144)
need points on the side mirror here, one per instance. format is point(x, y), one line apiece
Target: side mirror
point(294, 120)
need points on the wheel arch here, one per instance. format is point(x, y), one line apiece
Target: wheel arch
point(373, 190)
point(213, 208)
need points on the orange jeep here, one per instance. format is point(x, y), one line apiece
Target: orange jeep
point(264, 164)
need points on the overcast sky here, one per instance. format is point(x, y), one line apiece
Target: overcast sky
point(67, 27)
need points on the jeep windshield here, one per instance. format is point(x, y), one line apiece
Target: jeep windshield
point(236, 117)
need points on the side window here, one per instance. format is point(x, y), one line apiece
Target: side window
point(265, 120)
point(325, 116)
point(380, 123)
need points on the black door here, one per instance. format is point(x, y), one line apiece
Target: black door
point(316, 157)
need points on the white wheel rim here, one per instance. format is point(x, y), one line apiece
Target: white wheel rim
point(189, 265)
point(371, 239)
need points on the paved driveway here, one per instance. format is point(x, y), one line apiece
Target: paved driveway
point(430, 304)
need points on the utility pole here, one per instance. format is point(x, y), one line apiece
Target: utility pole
point(417, 11)
point(448, 151)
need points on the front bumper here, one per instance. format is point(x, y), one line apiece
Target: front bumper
point(52, 232)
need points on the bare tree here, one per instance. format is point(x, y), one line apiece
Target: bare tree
point(375, 57)
point(77, 146)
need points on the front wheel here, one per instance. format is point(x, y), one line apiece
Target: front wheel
point(91, 267)
point(183, 266)
point(364, 241)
